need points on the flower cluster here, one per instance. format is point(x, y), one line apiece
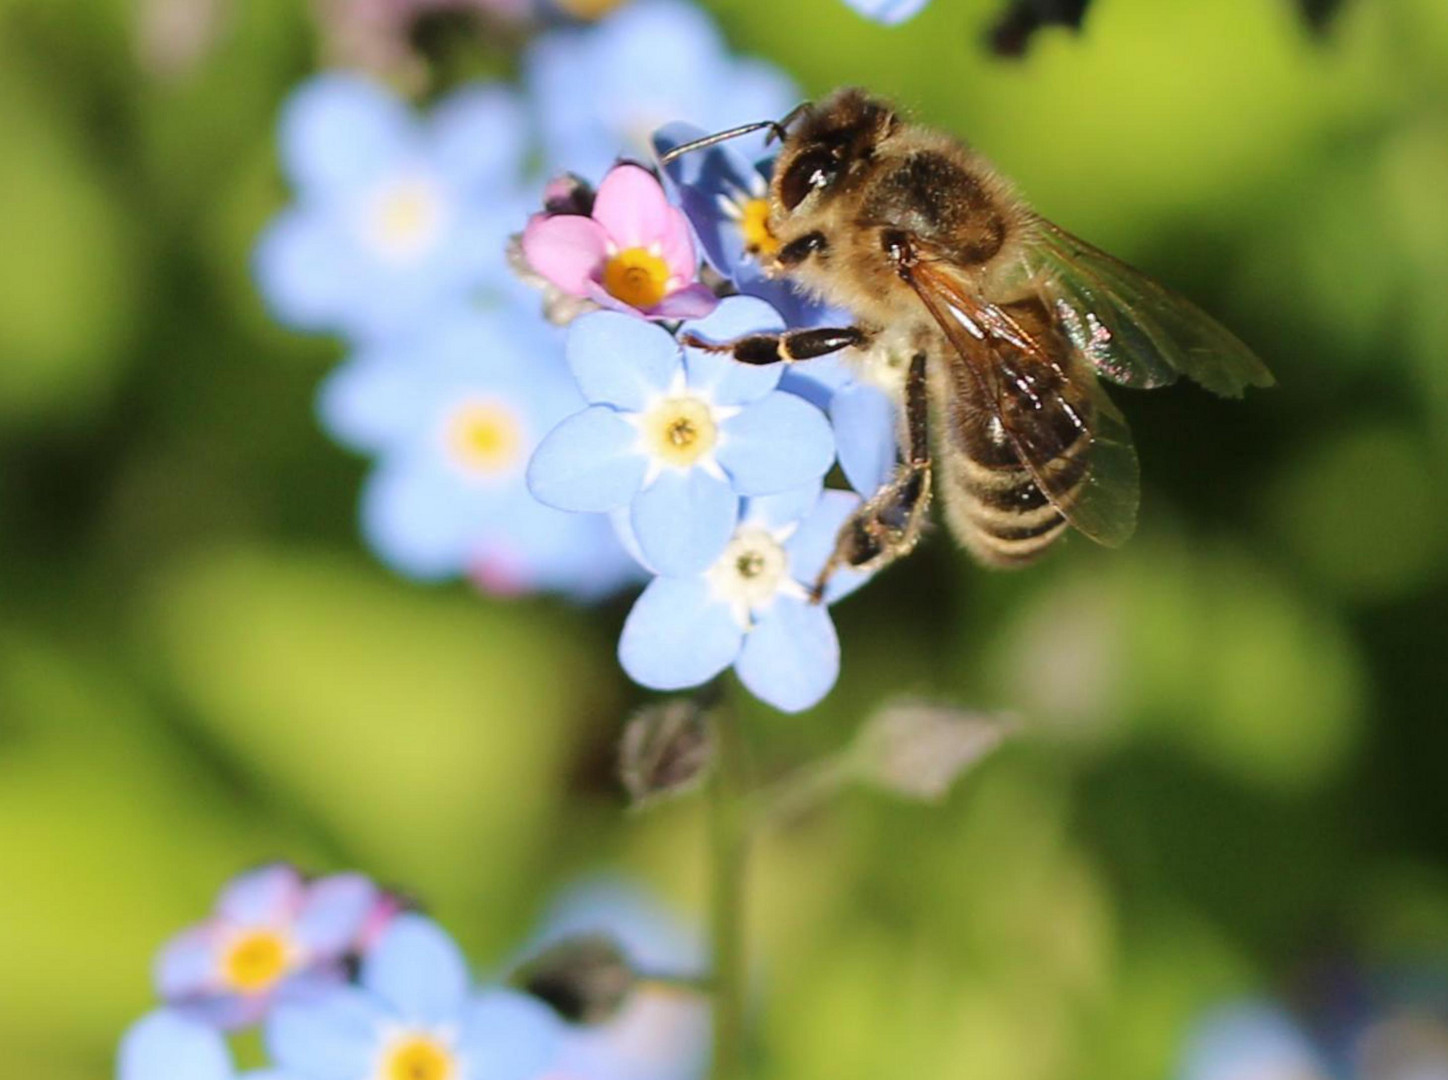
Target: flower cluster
point(396, 242)
point(526, 457)
point(347, 984)
point(711, 470)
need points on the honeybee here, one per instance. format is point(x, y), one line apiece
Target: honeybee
point(1007, 320)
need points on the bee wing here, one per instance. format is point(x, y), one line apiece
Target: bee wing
point(1001, 355)
point(1130, 328)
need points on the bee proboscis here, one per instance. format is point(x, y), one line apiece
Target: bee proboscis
point(1006, 320)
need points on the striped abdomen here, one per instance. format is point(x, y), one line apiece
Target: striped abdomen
point(993, 502)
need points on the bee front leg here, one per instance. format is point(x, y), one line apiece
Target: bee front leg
point(888, 524)
point(787, 346)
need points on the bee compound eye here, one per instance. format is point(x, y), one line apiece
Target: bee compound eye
point(811, 170)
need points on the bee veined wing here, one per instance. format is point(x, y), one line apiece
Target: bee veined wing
point(1130, 328)
point(1052, 411)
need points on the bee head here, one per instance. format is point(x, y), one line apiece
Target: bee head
point(830, 140)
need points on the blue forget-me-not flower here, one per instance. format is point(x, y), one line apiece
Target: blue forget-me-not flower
point(453, 414)
point(397, 218)
point(272, 935)
point(166, 1045)
point(600, 91)
point(751, 608)
point(889, 12)
point(659, 1033)
point(677, 434)
point(415, 1015)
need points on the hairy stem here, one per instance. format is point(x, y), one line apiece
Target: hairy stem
point(729, 851)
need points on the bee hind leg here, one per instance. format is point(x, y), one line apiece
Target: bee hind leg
point(889, 523)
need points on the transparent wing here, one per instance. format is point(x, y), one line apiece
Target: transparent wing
point(1130, 328)
point(1064, 429)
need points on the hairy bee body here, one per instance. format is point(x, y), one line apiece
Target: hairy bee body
point(922, 183)
point(1001, 321)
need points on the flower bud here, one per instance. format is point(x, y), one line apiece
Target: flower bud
point(918, 749)
point(585, 980)
point(667, 750)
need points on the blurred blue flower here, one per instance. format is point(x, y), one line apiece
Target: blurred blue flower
point(415, 1015)
point(602, 90)
point(662, 1033)
point(452, 414)
point(1251, 1041)
point(396, 218)
point(750, 608)
point(166, 1046)
point(677, 434)
point(273, 935)
point(889, 12)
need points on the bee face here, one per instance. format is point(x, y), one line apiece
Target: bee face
point(834, 141)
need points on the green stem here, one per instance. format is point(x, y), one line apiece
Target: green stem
point(729, 850)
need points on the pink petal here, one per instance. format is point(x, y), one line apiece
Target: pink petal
point(691, 302)
point(265, 897)
point(605, 299)
point(567, 249)
point(632, 208)
point(677, 246)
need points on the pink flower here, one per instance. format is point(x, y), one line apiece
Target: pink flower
point(634, 254)
point(272, 932)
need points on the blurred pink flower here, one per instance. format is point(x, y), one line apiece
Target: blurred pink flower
point(377, 35)
point(634, 254)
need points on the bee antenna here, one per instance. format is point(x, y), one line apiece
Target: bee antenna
point(778, 129)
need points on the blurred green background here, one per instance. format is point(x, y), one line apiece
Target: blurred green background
point(1238, 742)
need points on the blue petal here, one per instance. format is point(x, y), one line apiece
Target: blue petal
point(373, 402)
point(265, 895)
point(165, 1045)
point(620, 359)
point(811, 545)
point(333, 914)
point(792, 657)
point(889, 12)
point(865, 420)
point(510, 1036)
point(418, 969)
point(677, 635)
point(340, 131)
point(186, 965)
point(683, 520)
point(727, 380)
point(1250, 1039)
point(332, 1039)
point(419, 517)
point(479, 136)
point(775, 444)
point(590, 463)
point(305, 270)
point(773, 512)
point(699, 180)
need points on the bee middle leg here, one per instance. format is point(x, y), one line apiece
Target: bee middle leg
point(888, 524)
point(787, 345)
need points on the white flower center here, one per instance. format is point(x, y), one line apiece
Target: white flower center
point(679, 431)
point(404, 218)
point(749, 575)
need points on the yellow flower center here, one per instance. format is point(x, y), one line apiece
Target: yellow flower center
point(679, 431)
point(589, 9)
point(485, 437)
point(754, 224)
point(406, 218)
point(418, 1057)
point(636, 276)
point(255, 961)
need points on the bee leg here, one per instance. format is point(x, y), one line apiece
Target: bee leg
point(889, 523)
point(787, 346)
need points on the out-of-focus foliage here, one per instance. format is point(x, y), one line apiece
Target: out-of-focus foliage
point(1237, 759)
